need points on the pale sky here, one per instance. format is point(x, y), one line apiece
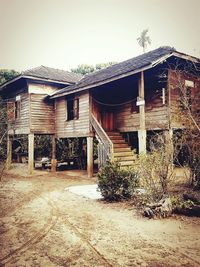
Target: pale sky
point(65, 33)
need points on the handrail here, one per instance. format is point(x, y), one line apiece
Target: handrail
point(105, 144)
point(4, 134)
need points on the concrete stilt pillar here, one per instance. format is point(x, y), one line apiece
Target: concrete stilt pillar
point(90, 156)
point(53, 160)
point(30, 153)
point(9, 152)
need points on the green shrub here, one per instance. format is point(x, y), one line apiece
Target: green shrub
point(178, 203)
point(115, 183)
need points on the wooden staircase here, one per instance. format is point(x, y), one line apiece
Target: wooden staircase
point(121, 150)
point(111, 146)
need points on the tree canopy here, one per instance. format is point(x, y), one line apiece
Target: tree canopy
point(86, 69)
point(6, 75)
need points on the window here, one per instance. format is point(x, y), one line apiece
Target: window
point(189, 83)
point(186, 95)
point(11, 111)
point(72, 109)
point(14, 109)
point(17, 109)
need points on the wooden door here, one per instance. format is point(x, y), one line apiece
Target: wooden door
point(107, 121)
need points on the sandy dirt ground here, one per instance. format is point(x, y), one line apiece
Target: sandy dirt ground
point(42, 224)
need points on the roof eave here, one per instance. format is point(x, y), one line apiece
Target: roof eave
point(103, 82)
point(47, 80)
point(33, 78)
point(153, 64)
point(186, 57)
point(10, 81)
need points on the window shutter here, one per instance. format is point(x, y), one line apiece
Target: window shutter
point(76, 108)
point(17, 109)
point(11, 111)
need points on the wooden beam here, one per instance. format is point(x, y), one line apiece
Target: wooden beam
point(90, 156)
point(9, 152)
point(142, 127)
point(53, 160)
point(30, 153)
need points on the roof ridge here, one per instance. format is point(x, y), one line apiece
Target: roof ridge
point(171, 49)
point(30, 69)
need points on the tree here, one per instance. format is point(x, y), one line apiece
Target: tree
point(85, 69)
point(6, 75)
point(185, 113)
point(144, 40)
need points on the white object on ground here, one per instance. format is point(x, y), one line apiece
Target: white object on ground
point(89, 191)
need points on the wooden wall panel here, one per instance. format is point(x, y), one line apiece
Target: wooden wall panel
point(176, 81)
point(21, 124)
point(73, 128)
point(42, 120)
point(156, 115)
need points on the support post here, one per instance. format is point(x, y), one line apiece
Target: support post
point(90, 156)
point(142, 127)
point(30, 153)
point(9, 152)
point(142, 136)
point(53, 160)
point(170, 147)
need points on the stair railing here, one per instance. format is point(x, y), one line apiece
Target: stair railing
point(105, 145)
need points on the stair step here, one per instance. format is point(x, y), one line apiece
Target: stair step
point(113, 134)
point(126, 163)
point(122, 149)
point(115, 137)
point(124, 145)
point(119, 141)
point(123, 154)
point(124, 158)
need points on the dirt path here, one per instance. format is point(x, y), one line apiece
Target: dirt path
point(41, 224)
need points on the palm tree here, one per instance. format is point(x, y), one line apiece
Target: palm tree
point(144, 39)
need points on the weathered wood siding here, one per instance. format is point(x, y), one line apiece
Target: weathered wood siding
point(126, 117)
point(21, 124)
point(176, 84)
point(42, 111)
point(73, 128)
point(38, 88)
point(42, 119)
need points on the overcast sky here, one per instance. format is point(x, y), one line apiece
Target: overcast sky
point(65, 33)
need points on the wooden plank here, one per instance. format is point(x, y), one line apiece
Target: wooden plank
point(42, 114)
point(77, 127)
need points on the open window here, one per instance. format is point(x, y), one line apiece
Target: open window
point(186, 95)
point(17, 109)
point(72, 108)
point(14, 109)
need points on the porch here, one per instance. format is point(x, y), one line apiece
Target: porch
point(126, 111)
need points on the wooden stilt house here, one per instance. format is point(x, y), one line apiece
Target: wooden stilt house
point(120, 105)
point(28, 111)
point(124, 103)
